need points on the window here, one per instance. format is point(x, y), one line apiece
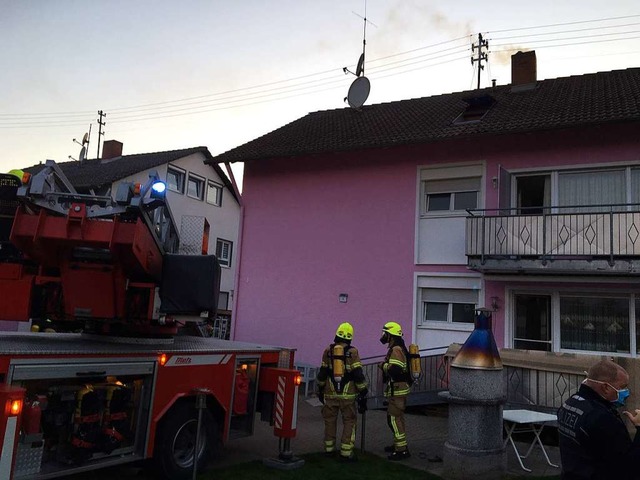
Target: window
point(532, 322)
point(582, 322)
point(594, 324)
point(195, 187)
point(223, 301)
point(477, 107)
point(451, 195)
point(449, 305)
point(175, 179)
point(224, 249)
point(602, 187)
point(534, 193)
point(214, 193)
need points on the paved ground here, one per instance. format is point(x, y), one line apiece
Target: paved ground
point(426, 434)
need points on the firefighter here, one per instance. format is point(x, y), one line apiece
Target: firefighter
point(340, 383)
point(395, 375)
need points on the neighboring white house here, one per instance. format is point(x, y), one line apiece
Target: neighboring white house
point(195, 191)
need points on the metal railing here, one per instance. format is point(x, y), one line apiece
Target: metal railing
point(434, 379)
point(540, 390)
point(546, 233)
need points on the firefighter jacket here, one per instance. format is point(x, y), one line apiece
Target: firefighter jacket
point(395, 372)
point(594, 441)
point(353, 380)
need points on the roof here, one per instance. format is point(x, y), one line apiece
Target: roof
point(99, 172)
point(567, 102)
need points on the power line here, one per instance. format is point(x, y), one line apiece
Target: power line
point(564, 24)
point(288, 88)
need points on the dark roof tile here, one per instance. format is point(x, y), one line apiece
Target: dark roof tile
point(95, 173)
point(556, 103)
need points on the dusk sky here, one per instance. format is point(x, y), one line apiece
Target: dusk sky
point(215, 73)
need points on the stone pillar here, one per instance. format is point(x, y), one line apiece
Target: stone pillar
point(476, 395)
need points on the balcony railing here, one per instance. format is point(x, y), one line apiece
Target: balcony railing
point(559, 237)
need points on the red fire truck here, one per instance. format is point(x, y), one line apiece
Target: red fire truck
point(106, 376)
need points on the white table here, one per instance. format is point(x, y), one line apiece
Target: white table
point(519, 421)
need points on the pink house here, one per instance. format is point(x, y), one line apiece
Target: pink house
point(522, 198)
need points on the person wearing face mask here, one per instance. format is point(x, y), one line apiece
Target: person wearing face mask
point(395, 375)
point(594, 441)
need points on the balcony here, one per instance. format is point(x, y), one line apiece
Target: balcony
point(590, 240)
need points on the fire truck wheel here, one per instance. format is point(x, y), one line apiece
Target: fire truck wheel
point(175, 443)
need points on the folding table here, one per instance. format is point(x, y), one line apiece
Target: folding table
point(519, 421)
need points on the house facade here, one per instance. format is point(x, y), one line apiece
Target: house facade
point(524, 199)
point(196, 192)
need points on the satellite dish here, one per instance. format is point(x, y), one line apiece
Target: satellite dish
point(358, 92)
point(360, 67)
point(83, 153)
point(85, 139)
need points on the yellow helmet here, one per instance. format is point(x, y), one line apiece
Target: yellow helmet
point(16, 172)
point(345, 331)
point(392, 328)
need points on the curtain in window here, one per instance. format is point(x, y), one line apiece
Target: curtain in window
point(594, 324)
point(591, 188)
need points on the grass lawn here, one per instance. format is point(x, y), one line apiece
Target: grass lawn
point(318, 467)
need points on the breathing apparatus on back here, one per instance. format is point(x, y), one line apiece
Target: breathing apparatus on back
point(392, 333)
point(344, 333)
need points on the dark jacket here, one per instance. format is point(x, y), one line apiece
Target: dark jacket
point(594, 441)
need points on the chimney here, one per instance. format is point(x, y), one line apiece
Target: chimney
point(524, 71)
point(111, 149)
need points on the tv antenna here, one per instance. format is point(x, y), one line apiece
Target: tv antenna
point(84, 144)
point(360, 87)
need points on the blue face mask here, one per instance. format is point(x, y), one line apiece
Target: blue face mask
point(623, 393)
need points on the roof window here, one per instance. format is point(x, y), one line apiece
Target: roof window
point(477, 107)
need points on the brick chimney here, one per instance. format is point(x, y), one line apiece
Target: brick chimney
point(524, 71)
point(111, 149)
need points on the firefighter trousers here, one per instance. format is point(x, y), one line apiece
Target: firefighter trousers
point(330, 410)
point(395, 420)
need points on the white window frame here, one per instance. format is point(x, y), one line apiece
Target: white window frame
point(446, 281)
point(224, 261)
point(555, 316)
point(454, 178)
point(217, 201)
point(199, 181)
point(181, 174)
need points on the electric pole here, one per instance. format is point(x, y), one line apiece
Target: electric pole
point(481, 56)
point(100, 132)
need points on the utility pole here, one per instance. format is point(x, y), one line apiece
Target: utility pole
point(100, 132)
point(481, 56)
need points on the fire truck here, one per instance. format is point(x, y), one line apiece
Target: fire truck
point(106, 374)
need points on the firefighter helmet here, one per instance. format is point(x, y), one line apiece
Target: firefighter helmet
point(392, 328)
point(345, 331)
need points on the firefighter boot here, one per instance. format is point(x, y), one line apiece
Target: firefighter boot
point(403, 455)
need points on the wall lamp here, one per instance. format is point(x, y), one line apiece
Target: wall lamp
point(495, 306)
point(343, 297)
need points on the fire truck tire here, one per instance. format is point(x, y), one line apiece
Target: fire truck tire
point(175, 443)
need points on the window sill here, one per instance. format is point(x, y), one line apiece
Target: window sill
point(445, 214)
point(456, 327)
point(175, 191)
point(195, 198)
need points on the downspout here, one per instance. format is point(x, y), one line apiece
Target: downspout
point(236, 281)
